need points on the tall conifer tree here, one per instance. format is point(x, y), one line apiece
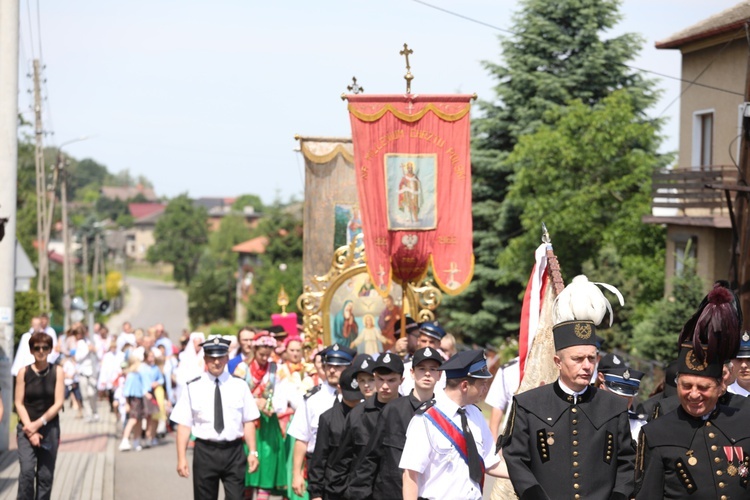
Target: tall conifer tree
point(560, 51)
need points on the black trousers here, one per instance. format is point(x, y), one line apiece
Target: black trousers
point(37, 463)
point(219, 461)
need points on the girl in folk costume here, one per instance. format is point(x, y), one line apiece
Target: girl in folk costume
point(261, 375)
point(293, 374)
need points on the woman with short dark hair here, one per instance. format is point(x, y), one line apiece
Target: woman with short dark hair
point(40, 393)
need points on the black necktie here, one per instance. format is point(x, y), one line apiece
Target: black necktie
point(475, 463)
point(218, 410)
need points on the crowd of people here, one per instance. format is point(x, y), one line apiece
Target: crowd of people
point(266, 415)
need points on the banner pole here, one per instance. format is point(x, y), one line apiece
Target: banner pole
point(403, 312)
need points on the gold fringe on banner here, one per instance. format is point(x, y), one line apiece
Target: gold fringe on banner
point(409, 118)
point(325, 158)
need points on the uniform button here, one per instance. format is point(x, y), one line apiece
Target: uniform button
point(724, 497)
point(575, 432)
point(575, 421)
point(575, 475)
point(575, 453)
point(714, 448)
point(575, 464)
point(575, 443)
point(719, 473)
point(690, 486)
point(711, 435)
point(717, 460)
point(577, 496)
point(684, 475)
point(708, 424)
point(574, 410)
point(544, 455)
point(575, 486)
point(721, 485)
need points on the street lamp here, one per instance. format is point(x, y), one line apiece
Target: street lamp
point(67, 281)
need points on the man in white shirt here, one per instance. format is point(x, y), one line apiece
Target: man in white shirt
point(503, 387)
point(741, 368)
point(221, 413)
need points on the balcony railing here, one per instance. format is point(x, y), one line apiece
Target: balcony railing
point(685, 191)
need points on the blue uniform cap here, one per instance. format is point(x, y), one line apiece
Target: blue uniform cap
point(432, 330)
point(744, 351)
point(215, 346)
point(467, 364)
point(339, 355)
point(623, 381)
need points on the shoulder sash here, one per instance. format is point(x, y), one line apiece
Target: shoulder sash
point(452, 432)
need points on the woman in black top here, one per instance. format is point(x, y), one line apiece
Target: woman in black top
point(40, 392)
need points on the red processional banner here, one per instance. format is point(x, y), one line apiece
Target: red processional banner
point(412, 162)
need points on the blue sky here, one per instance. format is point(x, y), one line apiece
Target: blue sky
point(206, 97)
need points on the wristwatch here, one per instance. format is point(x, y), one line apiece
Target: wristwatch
point(44, 421)
point(254, 453)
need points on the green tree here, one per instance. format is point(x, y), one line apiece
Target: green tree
point(232, 231)
point(559, 53)
point(656, 336)
point(248, 200)
point(180, 237)
point(211, 294)
point(587, 175)
point(281, 264)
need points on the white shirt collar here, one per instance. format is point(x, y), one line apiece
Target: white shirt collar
point(568, 390)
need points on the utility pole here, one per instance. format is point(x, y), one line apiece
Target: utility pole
point(743, 207)
point(8, 197)
point(42, 284)
point(67, 276)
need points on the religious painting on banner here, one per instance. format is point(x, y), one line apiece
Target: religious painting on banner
point(413, 172)
point(411, 191)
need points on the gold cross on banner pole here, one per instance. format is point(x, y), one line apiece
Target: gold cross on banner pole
point(354, 88)
point(408, 76)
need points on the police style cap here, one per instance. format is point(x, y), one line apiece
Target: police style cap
point(611, 362)
point(623, 380)
point(363, 363)
point(690, 364)
point(215, 346)
point(339, 355)
point(348, 384)
point(432, 330)
point(411, 326)
point(744, 351)
point(389, 362)
point(573, 333)
point(424, 354)
point(467, 364)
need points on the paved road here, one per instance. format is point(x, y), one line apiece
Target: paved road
point(151, 473)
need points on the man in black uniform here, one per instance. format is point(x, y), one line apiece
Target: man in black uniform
point(700, 450)
point(330, 427)
point(568, 439)
point(376, 473)
point(388, 371)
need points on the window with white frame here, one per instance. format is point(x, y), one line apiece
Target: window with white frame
point(703, 138)
point(685, 247)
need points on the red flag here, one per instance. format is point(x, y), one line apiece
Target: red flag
point(532, 305)
point(412, 161)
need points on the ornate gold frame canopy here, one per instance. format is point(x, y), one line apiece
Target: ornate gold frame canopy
point(350, 261)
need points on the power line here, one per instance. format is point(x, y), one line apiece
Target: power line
point(531, 37)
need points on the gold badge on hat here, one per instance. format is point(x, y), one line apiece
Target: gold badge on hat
point(626, 375)
point(691, 361)
point(216, 340)
point(335, 347)
point(582, 330)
